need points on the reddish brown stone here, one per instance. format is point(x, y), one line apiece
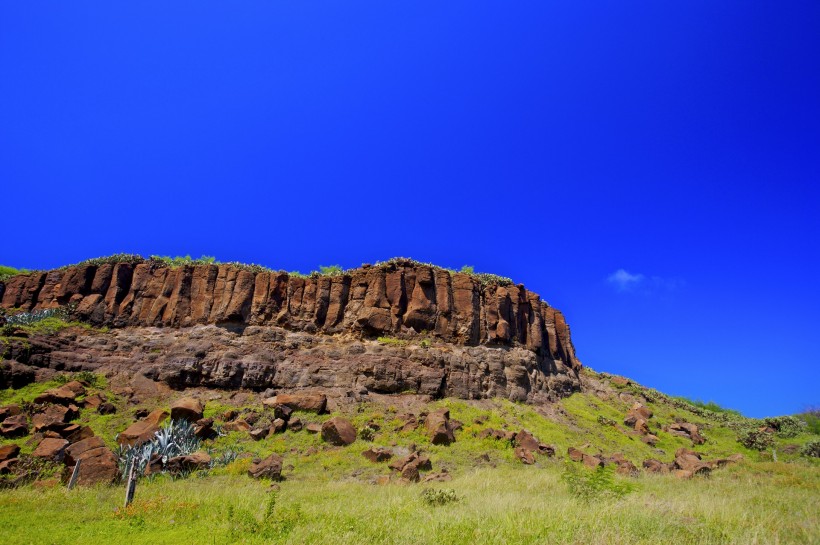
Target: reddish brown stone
point(338, 431)
point(14, 426)
point(438, 427)
point(315, 403)
point(377, 454)
point(269, 468)
point(51, 449)
point(187, 408)
point(8, 452)
point(144, 430)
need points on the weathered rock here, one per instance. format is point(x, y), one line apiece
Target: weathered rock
point(688, 430)
point(52, 417)
point(295, 424)
point(144, 430)
point(50, 449)
point(204, 428)
point(593, 462)
point(65, 394)
point(97, 465)
point(269, 468)
point(259, 433)
point(278, 425)
point(9, 410)
point(107, 408)
point(191, 462)
point(313, 427)
point(526, 456)
point(438, 427)
point(438, 477)
point(655, 466)
point(338, 431)
point(575, 455)
point(75, 432)
point(237, 425)
point(94, 401)
point(8, 466)
point(14, 426)
point(414, 459)
point(8, 452)
point(187, 408)
point(315, 403)
point(378, 454)
point(75, 451)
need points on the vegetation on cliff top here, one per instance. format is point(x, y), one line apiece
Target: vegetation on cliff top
point(324, 270)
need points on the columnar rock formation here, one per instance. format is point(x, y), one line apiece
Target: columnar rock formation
point(401, 298)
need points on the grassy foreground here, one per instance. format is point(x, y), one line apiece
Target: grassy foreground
point(764, 503)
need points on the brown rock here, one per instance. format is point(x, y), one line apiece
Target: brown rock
point(641, 410)
point(14, 426)
point(269, 468)
point(144, 430)
point(314, 403)
point(313, 427)
point(259, 433)
point(620, 381)
point(438, 427)
point(75, 432)
point(278, 426)
point(338, 431)
point(237, 425)
point(52, 417)
point(204, 428)
point(51, 449)
point(93, 401)
point(187, 408)
point(9, 410)
point(378, 454)
point(593, 462)
point(575, 455)
point(439, 477)
point(655, 466)
point(650, 439)
point(295, 424)
point(192, 462)
point(75, 451)
point(526, 456)
point(410, 473)
point(7, 466)
point(65, 394)
point(97, 465)
point(7, 452)
point(107, 408)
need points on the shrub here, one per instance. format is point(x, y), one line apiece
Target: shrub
point(786, 426)
point(467, 269)
point(812, 419)
point(599, 484)
point(331, 270)
point(367, 433)
point(442, 496)
point(8, 272)
point(756, 439)
point(392, 341)
point(811, 449)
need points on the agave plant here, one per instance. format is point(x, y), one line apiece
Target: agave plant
point(177, 438)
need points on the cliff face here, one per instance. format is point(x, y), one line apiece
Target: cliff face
point(402, 299)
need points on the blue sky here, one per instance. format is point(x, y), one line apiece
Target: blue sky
point(649, 168)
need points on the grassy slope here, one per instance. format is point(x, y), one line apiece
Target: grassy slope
point(327, 491)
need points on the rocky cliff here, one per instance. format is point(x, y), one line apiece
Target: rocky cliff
point(401, 299)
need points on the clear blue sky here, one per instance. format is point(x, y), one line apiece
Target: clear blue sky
point(651, 168)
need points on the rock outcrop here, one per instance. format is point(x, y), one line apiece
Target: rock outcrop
point(531, 355)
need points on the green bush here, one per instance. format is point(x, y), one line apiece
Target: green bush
point(8, 272)
point(442, 496)
point(811, 449)
point(786, 426)
point(331, 270)
point(599, 484)
point(812, 419)
point(756, 439)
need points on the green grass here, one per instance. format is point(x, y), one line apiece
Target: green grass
point(7, 272)
point(328, 492)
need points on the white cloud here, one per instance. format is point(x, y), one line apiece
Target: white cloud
point(625, 281)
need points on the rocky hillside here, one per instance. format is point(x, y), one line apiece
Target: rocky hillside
point(442, 333)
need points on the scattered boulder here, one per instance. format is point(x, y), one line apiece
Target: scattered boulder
point(438, 477)
point(409, 422)
point(650, 439)
point(527, 441)
point(9, 410)
point(687, 430)
point(295, 424)
point(313, 427)
point(191, 462)
point(439, 428)
point(269, 468)
point(94, 401)
point(51, 449)
point(259, 433)
point(315, 403)
point(14, 426)
point(7, 452)
point(65, 394)
point(575, 455)
point(204, 428)
point(143, 430)
point(75, 451)
point(338, 431)
point(52, 417)
point(620, 381)
point(688, 463)
point(593, 462)
point(417, 460)
point(237, 425)
point(107, 408)
point(7, 466)
point(187, 408)
point(378, 454)
point(498, 435)
point(526, 456)
point(655, 466)
point(278, 425)
point(97, 465)
point(75, 432)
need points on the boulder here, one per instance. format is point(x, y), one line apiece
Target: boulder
point(641, 410)
point(191, 462)
point(575, 455)
point(650, 439)
point(338, 431)
point(107, 408)
point(688, 430)
point(75, 450)
point(51, 449)
point(498, 435)
point(7, 452)
point(269, 468)
point(237, 425)
point(143, 430)
point(97, 465)
point(438, 477)
point(52, 417)
point(187, 408)
point(75, 432)
point(526, 456)
point(417, 460)
point(315, 403)
point(410, 473)
point(278, 426)
point(9, 410)
point(438, 427)
point(655, 466)
point(593, 462)
point(14, 426)
point(204, 428)
point(65, 394)
point(313, 427)
point(259, 433)
point(378, 454)
point(7, 466)
point(295, 424)
point(94, 401)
